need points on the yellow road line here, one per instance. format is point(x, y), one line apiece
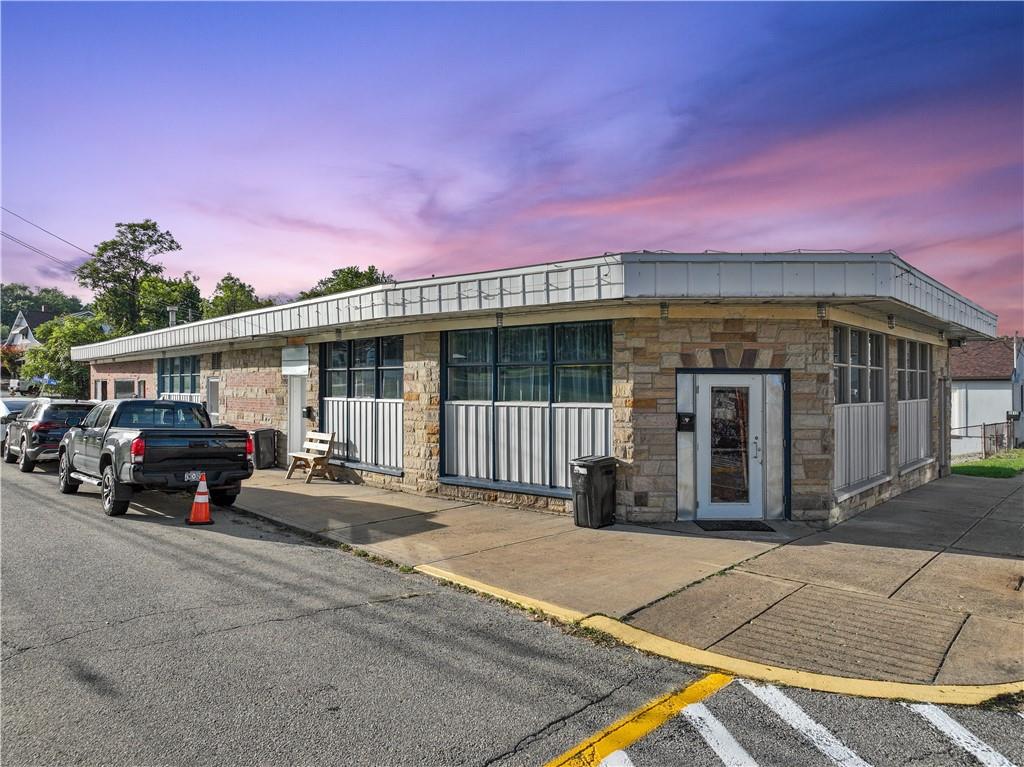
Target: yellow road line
point(636, 724)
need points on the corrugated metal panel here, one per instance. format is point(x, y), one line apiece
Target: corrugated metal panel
point(616, 276)
point(467, 433)
point(390, 433)
point(524, 444)
point(366, 430)
point(860, 443)
point(580, 430)
point(914, 430)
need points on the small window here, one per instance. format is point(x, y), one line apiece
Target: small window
point(467, 347)
point(583, 383)
point(583, 342)
point(142, 388)
point(124, 388)
point(470, 382)
point(858, 366)
point(914, 369)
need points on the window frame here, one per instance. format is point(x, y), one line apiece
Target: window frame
point(843, 366)
point(178, 375)
point(349, 370)
point(910, 379)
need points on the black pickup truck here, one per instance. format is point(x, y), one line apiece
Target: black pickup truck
point(140, 444)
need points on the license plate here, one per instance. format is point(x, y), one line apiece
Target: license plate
point(192, 476)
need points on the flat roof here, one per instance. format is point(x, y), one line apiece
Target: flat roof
point(784, 277)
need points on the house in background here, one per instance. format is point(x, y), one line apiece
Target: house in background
point(21, 336)
point(988, 381)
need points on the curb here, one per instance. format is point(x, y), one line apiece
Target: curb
point(952, 694)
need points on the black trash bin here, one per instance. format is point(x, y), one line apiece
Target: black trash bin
point(593, 490)
point(265, 444)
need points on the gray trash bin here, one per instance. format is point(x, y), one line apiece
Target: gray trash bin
point(265, 443)
point(593, 490)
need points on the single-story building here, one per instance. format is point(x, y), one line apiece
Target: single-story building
point(802, 385)
point(988, 383)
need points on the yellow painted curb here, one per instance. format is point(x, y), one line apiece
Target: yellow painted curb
point(636, 724)
point(562, 613)
point(867, 688)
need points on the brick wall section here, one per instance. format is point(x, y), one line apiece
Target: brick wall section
point(647, 353)
point(135, 370)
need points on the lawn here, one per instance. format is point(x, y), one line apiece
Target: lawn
point(1001, 465)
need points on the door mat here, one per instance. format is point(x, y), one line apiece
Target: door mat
point(726, 525)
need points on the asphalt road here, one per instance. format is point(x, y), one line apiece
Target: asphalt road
point(139, 640)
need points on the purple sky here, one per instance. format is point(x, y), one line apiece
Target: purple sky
point(279, 141)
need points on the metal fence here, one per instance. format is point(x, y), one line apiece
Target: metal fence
point(986, 438)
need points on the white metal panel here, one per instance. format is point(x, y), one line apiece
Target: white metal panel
point(182, 397)
point(468, 443)
point(335, 420)
point(362, 430)
point(861, 446)
point(914, 430)
point(390, 433)
point(580, 430)
point(524, 444)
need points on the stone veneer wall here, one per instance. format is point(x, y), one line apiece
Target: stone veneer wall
point(904, 480)
point(136, 370)
point(254, 393)
point(648, 351)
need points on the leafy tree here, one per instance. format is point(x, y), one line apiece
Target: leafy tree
point(18, 297)
point(118, 267)
point(232, 295)
point(10, 358)
point(157, 293)
point(347, 278)
point(53, 358)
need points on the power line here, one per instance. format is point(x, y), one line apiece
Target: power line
point(42, 229)
point(39, 251)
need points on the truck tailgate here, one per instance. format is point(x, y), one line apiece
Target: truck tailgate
point(188, 449)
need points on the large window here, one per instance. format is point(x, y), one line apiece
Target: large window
point(178, 375)
point(913, 366)
point(533, 363)
point(365, 368)
point(858, 359)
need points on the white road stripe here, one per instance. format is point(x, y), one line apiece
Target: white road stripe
point(717, 737)
point(823, 740)
point(960, 735)
point(616, 759)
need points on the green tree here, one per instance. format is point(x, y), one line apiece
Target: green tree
point(157, 293)
point(118, 267)
point(347, 278)
point(17, 297)
point(232, 295)
point(53, 358)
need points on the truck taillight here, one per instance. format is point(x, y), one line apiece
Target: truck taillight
point(138, 449)
point(44, 425)
point(250, 447)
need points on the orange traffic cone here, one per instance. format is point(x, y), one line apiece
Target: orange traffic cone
point(200, 514)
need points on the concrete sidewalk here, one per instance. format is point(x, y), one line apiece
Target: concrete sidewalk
point(922, 589)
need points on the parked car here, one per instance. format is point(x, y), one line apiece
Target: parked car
point(10, 406)
point(34, 434)
point(131, 445)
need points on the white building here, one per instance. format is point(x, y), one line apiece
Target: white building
point(988, 382)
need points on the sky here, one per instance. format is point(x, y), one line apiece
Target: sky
point(278, 141)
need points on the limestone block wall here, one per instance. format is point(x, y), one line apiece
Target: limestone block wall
point(647, 352)
point(134, 370)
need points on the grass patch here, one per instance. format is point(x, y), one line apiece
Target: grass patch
point(1009, 701)
point(999, 466)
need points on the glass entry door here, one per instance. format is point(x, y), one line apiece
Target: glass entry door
point(730, 446)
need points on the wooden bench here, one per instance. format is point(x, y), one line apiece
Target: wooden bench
point(313, 459)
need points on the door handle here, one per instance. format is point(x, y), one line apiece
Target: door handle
point(757, 448)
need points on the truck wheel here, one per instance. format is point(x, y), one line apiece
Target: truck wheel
point(9, 457)
point(65, 484)
point(25, 463)
point(111, 507)
point(223, 499)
